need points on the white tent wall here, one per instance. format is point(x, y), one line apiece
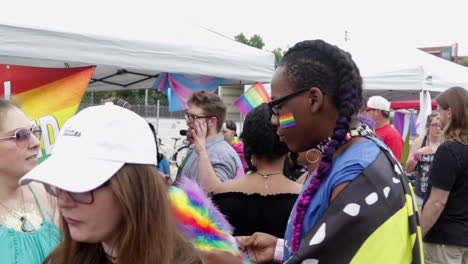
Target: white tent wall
point(134, 52)
point(400, 73)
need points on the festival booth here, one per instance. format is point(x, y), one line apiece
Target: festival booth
point(129, 56)
point(124, 55)
point(400, 73)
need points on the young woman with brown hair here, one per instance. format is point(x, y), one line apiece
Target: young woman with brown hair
point(444, 216)
point(113, 203)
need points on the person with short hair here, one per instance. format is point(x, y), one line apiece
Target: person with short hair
point(378, 109)
point(444, 216)
point(229, 131)
point(210, 159)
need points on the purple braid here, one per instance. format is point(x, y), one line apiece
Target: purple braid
point(344, 86)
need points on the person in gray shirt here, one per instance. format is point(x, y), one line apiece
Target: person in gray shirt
point(211, 159)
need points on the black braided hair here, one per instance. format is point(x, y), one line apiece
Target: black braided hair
point(315, 63)
point(260, 138)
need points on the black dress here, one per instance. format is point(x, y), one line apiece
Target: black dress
point(250, 213)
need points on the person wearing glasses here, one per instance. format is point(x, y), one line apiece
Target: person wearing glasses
point(422, 154)
point(357, 207)
point(210, 159)
point(114, 206)
point(27, 229)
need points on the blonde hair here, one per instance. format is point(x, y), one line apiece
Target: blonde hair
point(455, 98)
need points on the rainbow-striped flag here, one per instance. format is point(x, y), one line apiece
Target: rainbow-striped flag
point(48, 96)
point(255, 96)
point(287, 120)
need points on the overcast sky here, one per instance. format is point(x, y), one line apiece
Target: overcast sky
point(279, 23)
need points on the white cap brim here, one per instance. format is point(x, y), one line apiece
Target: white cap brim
point(73, 174)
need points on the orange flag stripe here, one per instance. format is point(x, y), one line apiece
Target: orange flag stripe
point(36, 102)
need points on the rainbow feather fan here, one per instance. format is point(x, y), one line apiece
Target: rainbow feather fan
point(200, 221)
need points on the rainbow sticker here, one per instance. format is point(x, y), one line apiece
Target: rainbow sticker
point(287, 120)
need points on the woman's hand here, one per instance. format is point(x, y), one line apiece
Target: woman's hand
point(261, 246)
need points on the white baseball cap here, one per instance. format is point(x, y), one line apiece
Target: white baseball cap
point(378, 102)
point(92, 146)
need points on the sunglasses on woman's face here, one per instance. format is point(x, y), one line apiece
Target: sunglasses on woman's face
point(82, 198)
point(22, 135)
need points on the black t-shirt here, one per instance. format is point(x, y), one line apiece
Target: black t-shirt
point(449, 171)
point(250, 213)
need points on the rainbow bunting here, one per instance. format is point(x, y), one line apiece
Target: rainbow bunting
point(48, 96)
point(200, 221)
point(287, 120)
point(255, 96)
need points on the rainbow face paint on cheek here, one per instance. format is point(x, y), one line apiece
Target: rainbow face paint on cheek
point(287, 120)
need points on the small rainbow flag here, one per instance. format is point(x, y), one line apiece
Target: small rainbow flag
point(48, 96)
point(255, 96)
point(287, 120)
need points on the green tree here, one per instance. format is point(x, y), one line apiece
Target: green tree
point(464, 62)
point(278, 55)
point(255, 41)
point(242, 39)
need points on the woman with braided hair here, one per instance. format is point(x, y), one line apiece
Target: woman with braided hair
point(357, 207)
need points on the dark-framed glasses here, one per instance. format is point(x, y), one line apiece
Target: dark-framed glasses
point(189, 117)
point(435, 125)
point(274, 105)
point(82, 197)
point(22, 135)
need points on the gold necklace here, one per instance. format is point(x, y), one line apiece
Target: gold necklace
point(26, 225)
point(266, 176)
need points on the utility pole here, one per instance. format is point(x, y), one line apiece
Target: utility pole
point(346, 38)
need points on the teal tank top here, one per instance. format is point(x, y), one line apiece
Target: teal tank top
point(29, 248)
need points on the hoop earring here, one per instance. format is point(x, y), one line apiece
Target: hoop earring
point(314, 150)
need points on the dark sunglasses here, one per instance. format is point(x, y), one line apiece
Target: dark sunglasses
point(82, 198)
point(274, 105)
point(22, 135)
point(190, 117)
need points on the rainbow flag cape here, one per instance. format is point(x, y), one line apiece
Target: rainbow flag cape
point(253, 97)
point(200, 221)
point(48, 96)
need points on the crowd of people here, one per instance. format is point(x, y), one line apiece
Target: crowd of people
point(315, 176)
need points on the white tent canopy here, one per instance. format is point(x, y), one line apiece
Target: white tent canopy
point(400, 73)
point(130, 56)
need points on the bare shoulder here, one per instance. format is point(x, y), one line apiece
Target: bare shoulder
point(47, 201)
point(418, 142)
point(228, 186)
point(293, 187)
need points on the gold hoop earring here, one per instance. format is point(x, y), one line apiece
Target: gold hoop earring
point(316, 151)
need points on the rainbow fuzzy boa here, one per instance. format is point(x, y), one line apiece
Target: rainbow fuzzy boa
point(201, 222)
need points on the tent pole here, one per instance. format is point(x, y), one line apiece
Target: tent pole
point(157, 111)
point(146, 97)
